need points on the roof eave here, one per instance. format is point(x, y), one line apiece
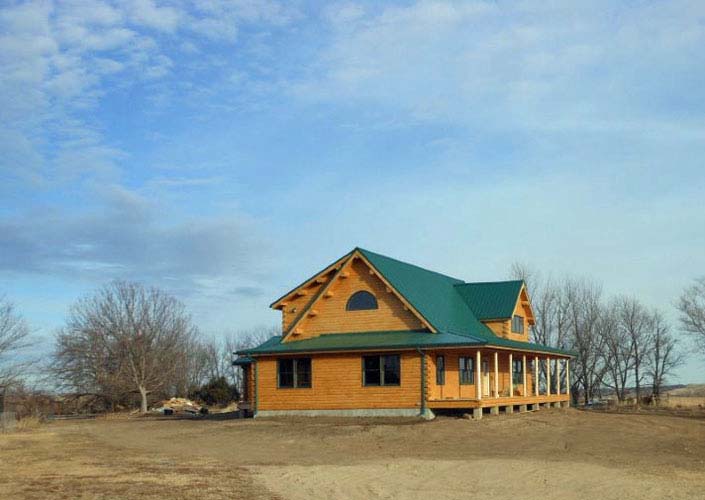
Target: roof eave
point(398, 347)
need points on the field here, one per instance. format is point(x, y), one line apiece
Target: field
point(683, 401)
point(550, 454)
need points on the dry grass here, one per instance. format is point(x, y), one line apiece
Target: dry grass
point(24, 424)
point(552, 454)
point(28, 424)
point(683, 401)
point(691, 390)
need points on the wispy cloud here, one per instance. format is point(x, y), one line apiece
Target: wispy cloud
point(542, 66)
point(129, 237)
point(58, 60)
point(182, 142)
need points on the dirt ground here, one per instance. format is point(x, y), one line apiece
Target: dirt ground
point(550, 454)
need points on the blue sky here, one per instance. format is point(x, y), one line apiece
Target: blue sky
point(225, 150)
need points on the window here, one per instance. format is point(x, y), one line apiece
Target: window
point(440, 370)
point(517, 372)
point(360, 301)
point(381, 370)
point(517, 324)
point(294, 372)
point(467, 370)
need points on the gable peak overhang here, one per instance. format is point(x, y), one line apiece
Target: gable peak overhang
point(525, 300)
point(335, 271)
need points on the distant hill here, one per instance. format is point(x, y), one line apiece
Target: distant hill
point(646, 390)
point(690, 390)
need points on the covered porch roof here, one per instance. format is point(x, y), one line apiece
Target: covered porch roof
point(385, 340)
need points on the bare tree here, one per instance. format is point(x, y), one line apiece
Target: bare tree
point(547, 302)
point(567, 313)
point(245, 339)
point(125, 335)
point(617, 350)
point(634, 320)
point(585, 322)
point(85, 362)
point(664, 356)
point(691, 305)
point(195, 361)
point(14, 337)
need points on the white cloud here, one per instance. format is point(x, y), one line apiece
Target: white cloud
point(148, 13)
point(343, 15)
point(542, 66)
point(59, 59)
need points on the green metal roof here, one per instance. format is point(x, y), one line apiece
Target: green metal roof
point(449, 304)
point(432, 294)
point(493, 300)
point(243, 360)
point(412, 339)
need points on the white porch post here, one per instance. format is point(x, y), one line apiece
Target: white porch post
point(511, 376)
point(558, 376)
point(548, 376)
point(536, 375)
point(496, 374)
point(523, 369)
point(567, 377)
point(478, 375)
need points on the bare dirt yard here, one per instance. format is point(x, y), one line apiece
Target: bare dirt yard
point(550, 454)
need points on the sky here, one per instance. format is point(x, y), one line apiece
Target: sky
point(227, 150)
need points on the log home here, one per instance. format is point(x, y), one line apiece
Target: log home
point(372, 336)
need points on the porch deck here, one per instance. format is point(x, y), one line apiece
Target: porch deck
point(489, 402)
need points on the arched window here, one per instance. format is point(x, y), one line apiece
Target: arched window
point(359, 301)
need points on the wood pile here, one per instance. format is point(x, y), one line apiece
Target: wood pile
point(178, 405)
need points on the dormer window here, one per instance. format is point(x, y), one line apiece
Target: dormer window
point(517, 324)
point(361, 301)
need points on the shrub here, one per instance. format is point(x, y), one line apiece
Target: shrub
point(216, 392)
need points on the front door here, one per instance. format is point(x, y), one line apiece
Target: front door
point(485, 378)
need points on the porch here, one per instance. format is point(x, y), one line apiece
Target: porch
point(496, 379)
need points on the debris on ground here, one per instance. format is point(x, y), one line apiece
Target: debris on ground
point(178, 405)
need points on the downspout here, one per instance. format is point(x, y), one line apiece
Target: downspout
point(423, 381)
point(256, 395)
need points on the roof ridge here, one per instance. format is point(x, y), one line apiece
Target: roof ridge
point(311, 277)
point(412, 265)
point(488, 282)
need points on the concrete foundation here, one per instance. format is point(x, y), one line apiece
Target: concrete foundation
point(494, 410)
point(522, 409)
point(565, 404)
point(509, 409)
point(386, 412)
point(477, 413)
point(556, 404)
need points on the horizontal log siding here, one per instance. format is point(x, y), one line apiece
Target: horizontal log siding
point(332, 317)
point(296, 304)
point(337, 385)
point(452, 388)
point(499, 328)
point(249, 375)
point(503, 328)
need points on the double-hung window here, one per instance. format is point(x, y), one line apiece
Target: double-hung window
point(466, 368)
point(294, 372)
point(381, 370)
point(517, 372)
point(440, 370)
point(517, 324)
